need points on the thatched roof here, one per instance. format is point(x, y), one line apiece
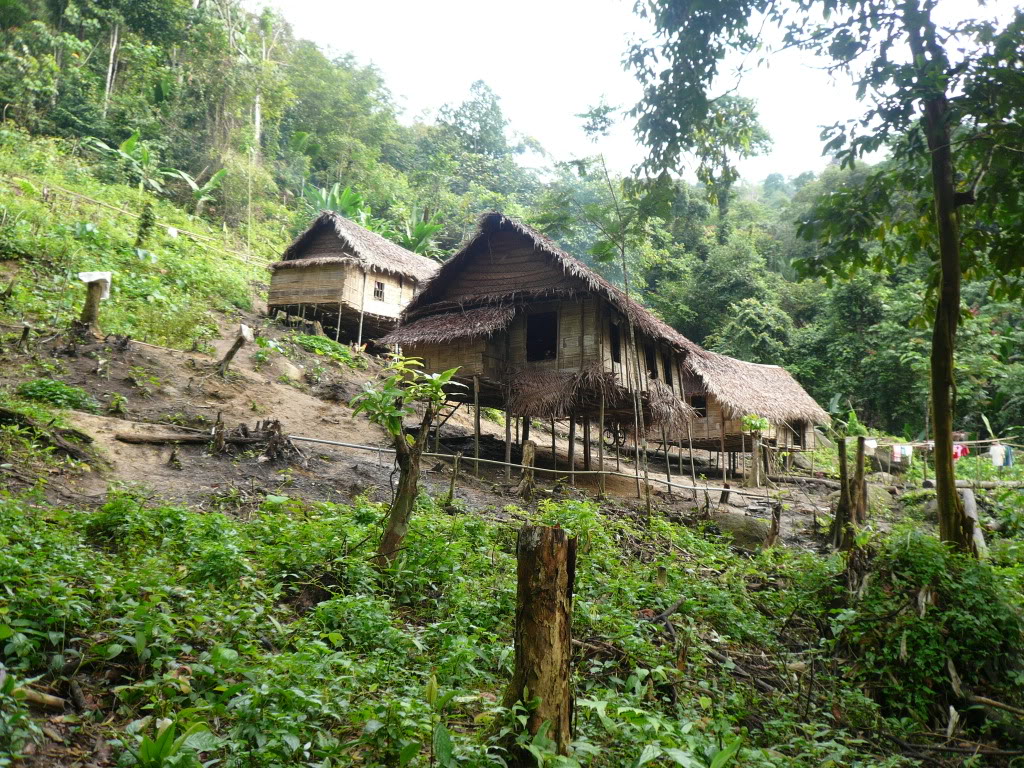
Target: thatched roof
point(361, 247)
point(751, 388)
point(459, 324)
point(430, 301)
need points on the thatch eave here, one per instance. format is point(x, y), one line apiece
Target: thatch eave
point(745, 388)
point(368, 249)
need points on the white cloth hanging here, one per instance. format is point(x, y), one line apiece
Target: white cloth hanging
point(92, 277)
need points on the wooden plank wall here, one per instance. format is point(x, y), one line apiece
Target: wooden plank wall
point(468, 355)
point(398, 292)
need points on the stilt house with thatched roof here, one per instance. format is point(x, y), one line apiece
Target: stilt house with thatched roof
point(539, 334)
point(722, 390)
point(536, 333)
point(353, 281)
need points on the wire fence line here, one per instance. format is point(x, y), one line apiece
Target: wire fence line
point(380, 450)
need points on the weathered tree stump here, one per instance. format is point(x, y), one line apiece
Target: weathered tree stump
point(543, 643)
point(243, 337)
point(88, 323)
point(527, 485)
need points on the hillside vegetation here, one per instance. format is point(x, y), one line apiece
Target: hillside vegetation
point(181, 605)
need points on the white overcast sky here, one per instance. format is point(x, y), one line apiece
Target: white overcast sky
point(551, 59)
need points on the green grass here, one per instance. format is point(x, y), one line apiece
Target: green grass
point(279, 642)
point(163, 292)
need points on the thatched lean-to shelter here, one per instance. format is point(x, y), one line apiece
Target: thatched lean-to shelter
point(541, 334)
point(722, 390)
point(355, 282)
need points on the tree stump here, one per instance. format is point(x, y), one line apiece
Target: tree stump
point(243, 337)
point(543, 643)
point(526, 482)
point(88, 323)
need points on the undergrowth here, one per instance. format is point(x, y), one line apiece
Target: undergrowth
point(163, 290)
point(274, 641)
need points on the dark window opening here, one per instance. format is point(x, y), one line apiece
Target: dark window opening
point(378, 290)
point(799, 434)
point(699, 403)
point(616, 342)
point(652, 361)
point(666, 359)
point(542, 336)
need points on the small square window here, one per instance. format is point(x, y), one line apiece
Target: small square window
point(378, 290)
point(542, 336)
point(652, 361)
point(699, 403)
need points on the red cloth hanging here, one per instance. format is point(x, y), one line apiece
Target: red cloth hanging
point(960, 450)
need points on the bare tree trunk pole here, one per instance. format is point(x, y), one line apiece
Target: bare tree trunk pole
point(543, 643)
point(526, 482)
point(572, 450)
point(600, 442)
point(476, 425)
point(842, 533)
point(244, 336)
point(860, 486)
point(89, 321)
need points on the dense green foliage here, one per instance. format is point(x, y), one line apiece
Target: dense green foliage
point(280, 643)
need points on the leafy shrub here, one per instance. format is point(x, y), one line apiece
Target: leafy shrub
point(58, 394)
point(321, 345)
point(926, 607)
point(360, 622)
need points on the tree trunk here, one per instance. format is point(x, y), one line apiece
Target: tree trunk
point(954, 527)
point(842, 528)
point(860, 487)
point(526, 483)
point(88, 322)
point(543, 643)
point(408, 457)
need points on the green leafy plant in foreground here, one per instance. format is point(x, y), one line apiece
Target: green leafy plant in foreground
point(340, 353)
point(57, 393)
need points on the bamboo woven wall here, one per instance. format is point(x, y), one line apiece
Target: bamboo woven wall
point(468, 356)
point(398, 292)
point(625, 369)
point(577, 335)
point(322, 284)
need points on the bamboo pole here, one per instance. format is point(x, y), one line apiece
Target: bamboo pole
point(600, 442)
point(572, 450)
point(476, 424)
point(668, 455)
point(508, 446)
point(554, 454)
point(362, 311)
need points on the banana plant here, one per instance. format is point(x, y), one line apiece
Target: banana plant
point(418, 235)
point(203, 194)
point(136, 156)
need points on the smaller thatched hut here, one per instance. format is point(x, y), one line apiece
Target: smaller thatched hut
point(352, 280)
point(722, 390)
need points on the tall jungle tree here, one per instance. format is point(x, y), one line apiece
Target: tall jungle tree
point(943, 97)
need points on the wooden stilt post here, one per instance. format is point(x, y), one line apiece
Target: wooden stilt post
point(508, 446)
point(600, 442)
point(362, 312)
point(526, 430)
point(476, 425)
point(693, 467)
point(725, 472)
point(586, 445)
point(668, 456)
point(554, 451)
point(337, 326)
point(543, 642)
point(572, 450)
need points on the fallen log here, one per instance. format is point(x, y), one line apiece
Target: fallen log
point(822, 481)
point(985, 485)
point(55, 436)
point(128, 437)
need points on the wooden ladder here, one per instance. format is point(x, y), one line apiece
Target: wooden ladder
point(444, 413)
